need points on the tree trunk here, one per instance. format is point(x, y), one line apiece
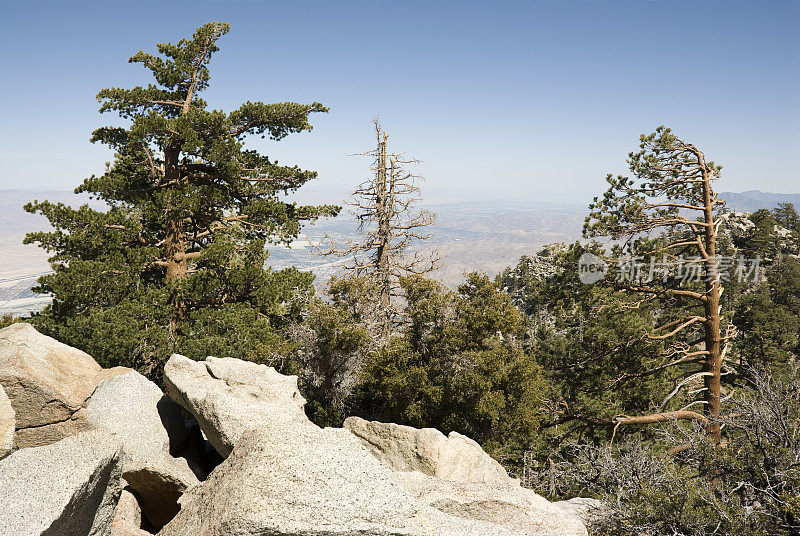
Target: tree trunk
point(383, 267)
point(174, 236)
point(713, 340)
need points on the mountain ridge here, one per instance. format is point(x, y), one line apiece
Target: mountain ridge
point(486, 235)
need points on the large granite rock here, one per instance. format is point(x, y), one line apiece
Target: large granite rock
point(7, 422)
point(136, 413)
point(285, 476)
point(68, 488)
point(454, 475)
point(516, 509)
point(403, 448)
point(228, 396)
point(302, 480)
point(47, 382)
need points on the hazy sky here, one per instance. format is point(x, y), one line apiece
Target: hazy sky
point(536, 100)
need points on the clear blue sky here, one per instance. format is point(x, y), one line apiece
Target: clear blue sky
point(532, 99)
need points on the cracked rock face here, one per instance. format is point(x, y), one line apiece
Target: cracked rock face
point(133, 410)
point(68, 488)
point(47, 383)
point(228, 396)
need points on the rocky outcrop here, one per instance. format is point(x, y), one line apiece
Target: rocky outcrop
point(736, 225)
point(48, 382)
point(427, 450)
point(7, 422)
point(301, 480)
point(454, 475)
point(518, 510)
point(283, 475)
point(228, 396)
point(68, 488)
point(134, 411)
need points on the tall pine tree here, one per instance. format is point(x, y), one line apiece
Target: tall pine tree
point(177, 260)
point(668, 213)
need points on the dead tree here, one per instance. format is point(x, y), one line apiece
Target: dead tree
point(669, 211)
point(389, 226)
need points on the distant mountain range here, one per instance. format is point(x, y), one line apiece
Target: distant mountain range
point(753, 200)
point(486, 235)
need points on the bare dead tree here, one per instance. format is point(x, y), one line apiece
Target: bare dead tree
point(390, 226)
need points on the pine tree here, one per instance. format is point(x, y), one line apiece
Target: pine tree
point(786, 216)
point(763, 239)
point(177, 261)
point(588, 340)
point(457, 365)
point(768, 320)
point(669, 211)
